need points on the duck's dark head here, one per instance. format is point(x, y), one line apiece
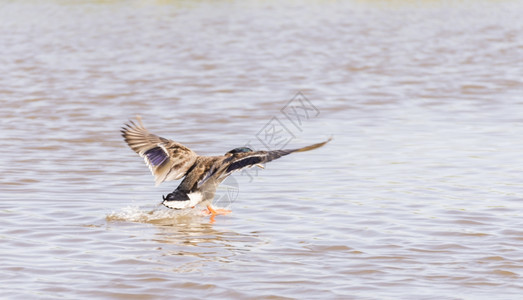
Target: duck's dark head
point(239, 150)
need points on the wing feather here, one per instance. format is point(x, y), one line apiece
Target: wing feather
point(248, 159)
point(167, 159)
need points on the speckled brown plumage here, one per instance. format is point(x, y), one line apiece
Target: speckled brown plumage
point(169, 160)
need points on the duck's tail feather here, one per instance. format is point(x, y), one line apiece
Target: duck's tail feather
point(180, 200)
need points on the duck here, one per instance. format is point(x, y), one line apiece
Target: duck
point(169, 160)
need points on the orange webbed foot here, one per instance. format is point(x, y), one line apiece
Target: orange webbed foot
point(215, 211)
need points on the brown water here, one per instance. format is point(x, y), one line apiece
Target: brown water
point(419, 195)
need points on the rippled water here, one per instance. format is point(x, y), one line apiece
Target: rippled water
point(418, 196)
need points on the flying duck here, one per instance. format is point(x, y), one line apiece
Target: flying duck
point(169, 160)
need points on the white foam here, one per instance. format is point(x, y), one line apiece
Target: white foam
point(157, 215)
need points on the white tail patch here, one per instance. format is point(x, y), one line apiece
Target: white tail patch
point(195, 198)
point(176, 204)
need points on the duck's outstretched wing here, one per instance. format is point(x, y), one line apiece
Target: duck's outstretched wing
point(167, 159)
point(248, 159)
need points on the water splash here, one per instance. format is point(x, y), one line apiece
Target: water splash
point(157, 215)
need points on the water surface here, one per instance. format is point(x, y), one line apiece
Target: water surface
point(417, 197)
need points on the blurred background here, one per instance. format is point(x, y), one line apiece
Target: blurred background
point(419, 195)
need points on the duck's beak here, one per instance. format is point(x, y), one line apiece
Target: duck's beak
point(260, 166)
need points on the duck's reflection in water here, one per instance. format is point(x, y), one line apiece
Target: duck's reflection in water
point(188, 239)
